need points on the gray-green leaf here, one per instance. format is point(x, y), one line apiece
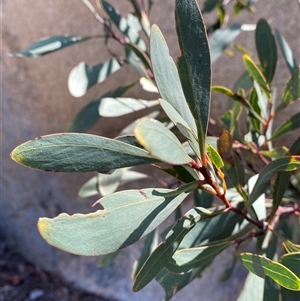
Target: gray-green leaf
point(71, 152)
point(127, 217)
point(160, 142)
point(194, 64)
point(83, 77)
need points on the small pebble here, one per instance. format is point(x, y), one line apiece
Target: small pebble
point(36, 293)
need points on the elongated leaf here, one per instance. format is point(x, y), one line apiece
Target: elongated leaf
point(51, 44)
point(109, 183)
point(262, 101)
point(160, 142)
point(263, 181)
point(185, 260)
point(286, 52)
point(215, 157)
point(149, 246)
point(224, 145)
point(184, 174)
point(136, 62)
point(290, 247)
point(107, 259)
point(123, 25)
point(89, 188)
point(140, 54)
point(266, 49)
point(295, 148)
point(195, 73)
point(281, 184)
point(173, 283)
point(73, 152)
point(291, 91)
point(209, 5)
point(262, 266)
point(233, 95)
point(131, 175)
point(167, 78)
point(114, 107)
point(257, 75)
point(167, 248)
point(103, 231)
point(219, 227)
point(253, 289)
point(221, 39)
point(181, 124)
point(292, 262)
point(83, 77)
point(148, 85)
point(287, 126)
point(89, 115)
point(276, 152)
point(203, 198)
point(129, 129)
point(236, 172)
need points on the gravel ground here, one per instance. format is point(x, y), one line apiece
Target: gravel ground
point(22, 281)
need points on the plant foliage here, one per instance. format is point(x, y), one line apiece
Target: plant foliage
point(258, 184)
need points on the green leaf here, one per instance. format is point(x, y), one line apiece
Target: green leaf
point(219, 227)
point(123, 25)
point(103, 231)
point(109, 183)
point(233, 95)
point(71, 152)
point(266, 49)
point(236, 172)
point(195, 73)
point(209, 5)
point(160, 142)
point(295, 148)
point(150, 245)
point(221, 39)
point(291, 91)
point(89, 188)
point(172, 283)
point(148, 85)
point(203, 198)
point(136, 62)
point(253, 289)
point(131, 175)
point(287, 126)
point(167, 78)
point(185, 260)
point(140, 54)
point(157, 260)
point(89, 115)
point(275, 153)
point(83, 77)
point(107, 259)
point(182, 173)
point(262, 266)
point(215, 157)
point(290, 247)
point(114, 107)
point(257, 75)
point(263, 181)
point(182, 126)
point(286, 52)
point(51, 44)
point(292, 262)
